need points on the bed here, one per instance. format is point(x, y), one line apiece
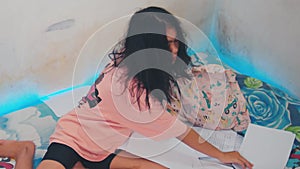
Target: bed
point(268, 106)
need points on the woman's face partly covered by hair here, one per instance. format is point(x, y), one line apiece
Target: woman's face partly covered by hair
point(172, 42)
point(153, 42)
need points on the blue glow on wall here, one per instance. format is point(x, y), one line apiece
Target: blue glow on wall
point(241, 65)
point(14, 104)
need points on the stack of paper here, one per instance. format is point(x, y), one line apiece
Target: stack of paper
point(225, 140)
point(267, 148)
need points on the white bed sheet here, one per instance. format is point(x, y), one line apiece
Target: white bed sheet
point(171, 153)
point(176, 155)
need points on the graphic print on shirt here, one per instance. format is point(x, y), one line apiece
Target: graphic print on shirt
point(232, 104)
point(92, 97)
point(6, 163)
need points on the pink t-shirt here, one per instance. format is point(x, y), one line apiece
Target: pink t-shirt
point(107, 116)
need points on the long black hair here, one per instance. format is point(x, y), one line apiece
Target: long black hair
point(147, 56)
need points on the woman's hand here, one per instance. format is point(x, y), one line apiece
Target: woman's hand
point(195, 141)
point(236, 158)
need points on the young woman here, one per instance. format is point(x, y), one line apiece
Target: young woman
point(130, 96)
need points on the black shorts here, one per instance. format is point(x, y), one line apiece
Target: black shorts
point(68, 157)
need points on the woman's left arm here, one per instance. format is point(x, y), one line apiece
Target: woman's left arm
point(195, 141)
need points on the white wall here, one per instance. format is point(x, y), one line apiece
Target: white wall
point(266, 34)
point(40, 40)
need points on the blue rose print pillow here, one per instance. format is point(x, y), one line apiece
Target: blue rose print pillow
point(271, 107)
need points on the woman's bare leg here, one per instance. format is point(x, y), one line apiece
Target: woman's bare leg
point(21, 151)
point(126, 160)
point(78, 165)
point(50, 164)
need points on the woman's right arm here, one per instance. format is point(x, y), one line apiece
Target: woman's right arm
point(195, 141)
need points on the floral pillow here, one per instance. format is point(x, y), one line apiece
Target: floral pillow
point(212, 99)
point(274, 108)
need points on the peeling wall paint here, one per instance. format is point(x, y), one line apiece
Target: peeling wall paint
point(61, 25)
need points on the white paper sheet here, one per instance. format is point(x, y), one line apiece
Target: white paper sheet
point(225, 140)
point(212, 163)
point(267, 148)
point(177, 155)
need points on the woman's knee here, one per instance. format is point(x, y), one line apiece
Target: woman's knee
point(141, 163)
point(29, 145)
point(134, 163)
